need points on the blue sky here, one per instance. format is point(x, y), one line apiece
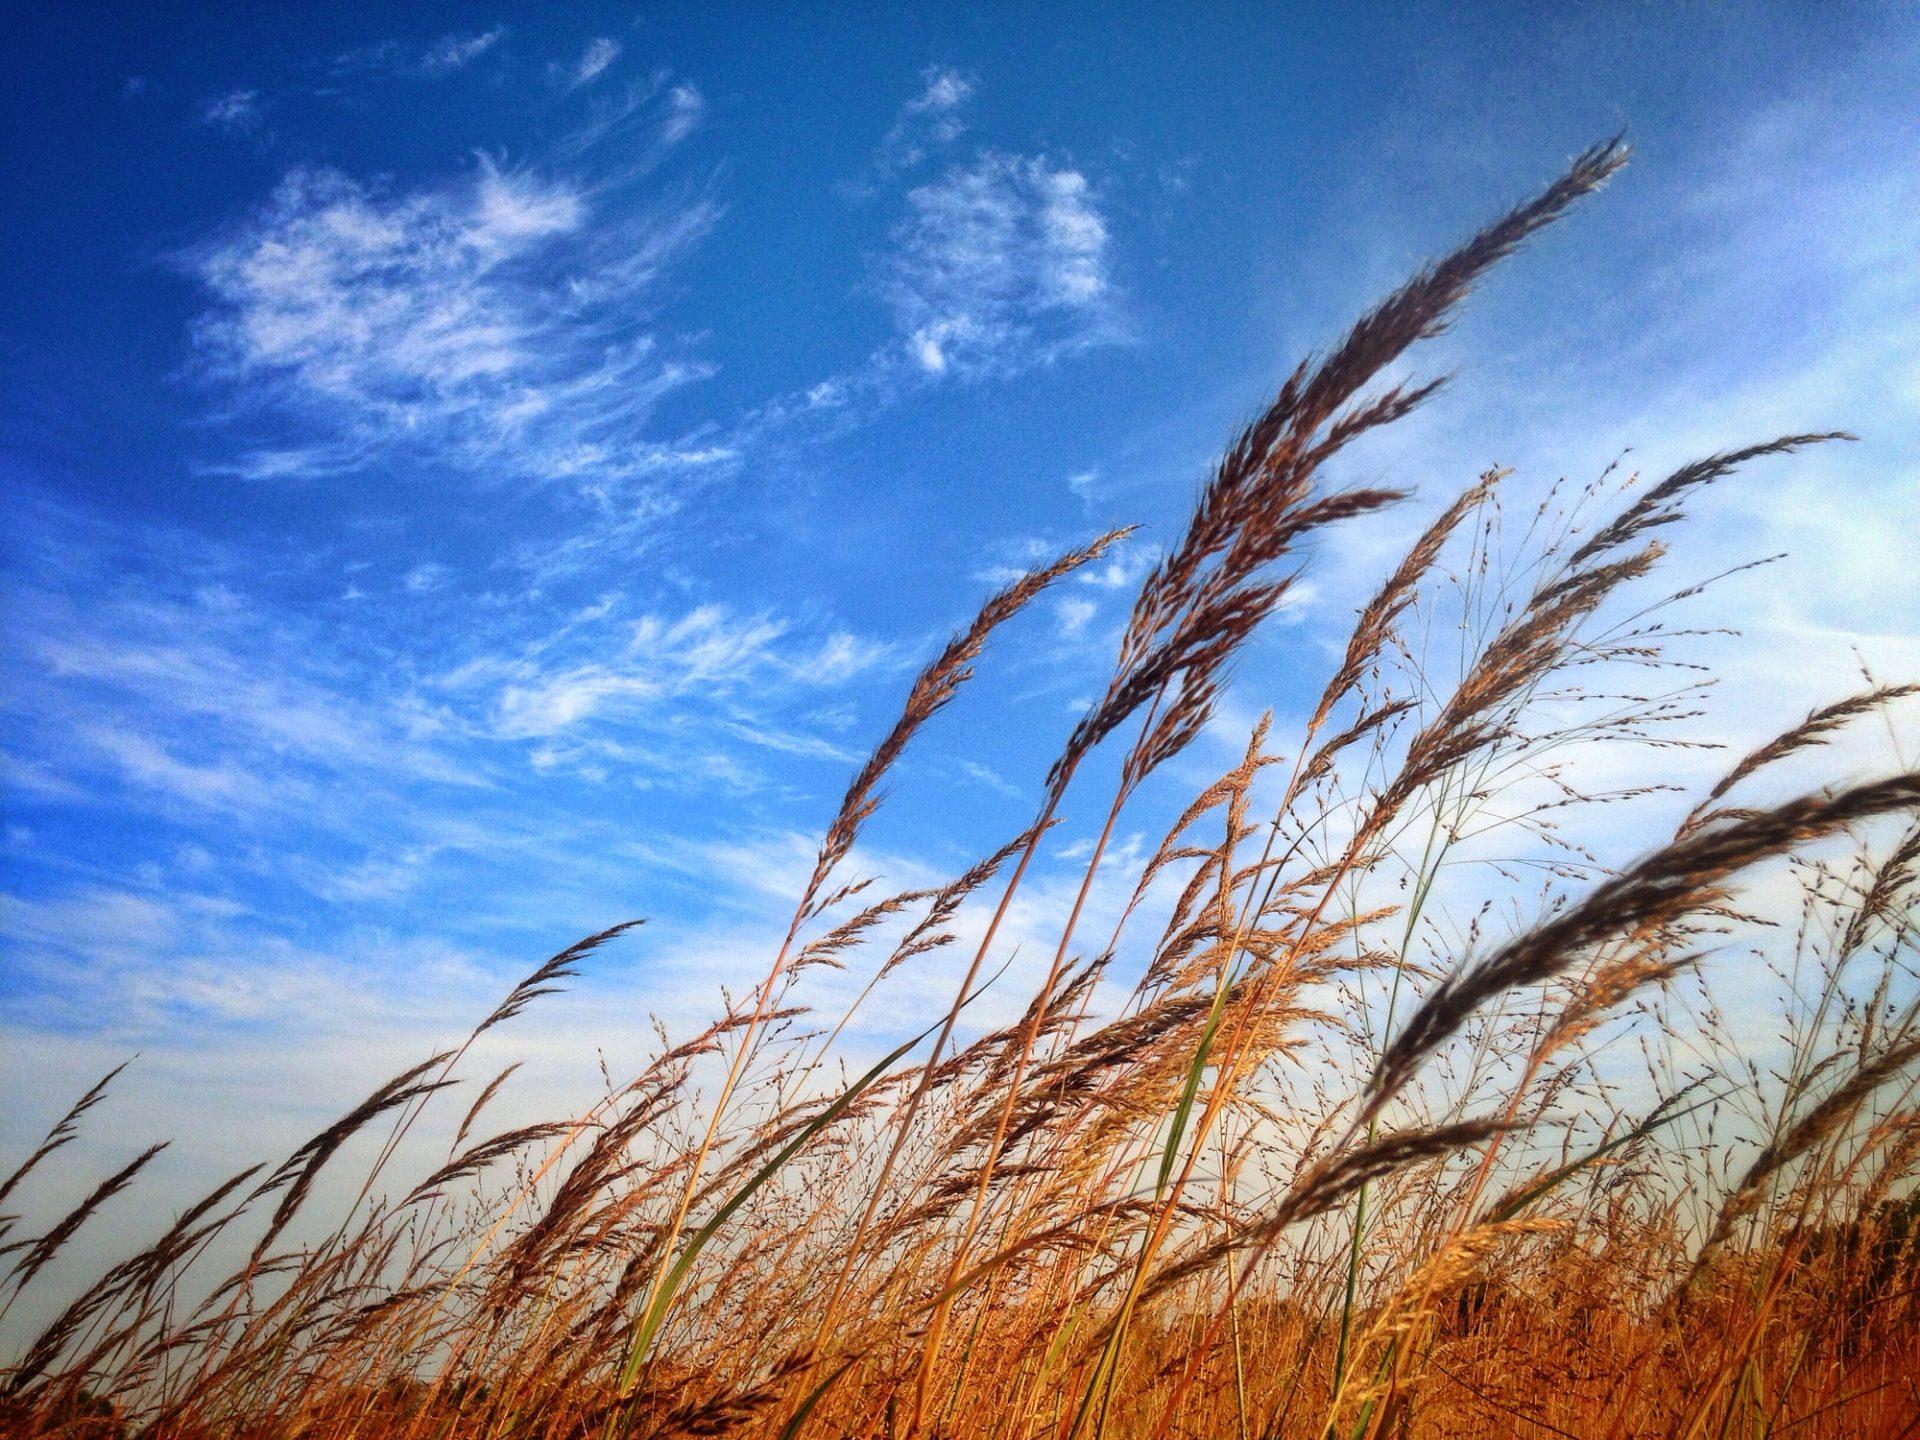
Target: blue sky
point(475, 475)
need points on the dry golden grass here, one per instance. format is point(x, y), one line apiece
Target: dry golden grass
point(1338, 1164)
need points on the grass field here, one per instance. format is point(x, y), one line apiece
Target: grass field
point(1350, 1125)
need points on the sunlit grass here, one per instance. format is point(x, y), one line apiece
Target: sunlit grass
point(1352, 1122)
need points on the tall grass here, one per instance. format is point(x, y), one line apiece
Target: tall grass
point(1414, 1121)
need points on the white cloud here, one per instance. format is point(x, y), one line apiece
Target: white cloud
point(275, 783)
point(427, 577)
point(447, 55)
point(599, 54)
point(1000, 265)
point(839, 658)
point(482, 322)
point(637, 122)
point(1121, 569)
point(456, 52)
point(151, 704)
point(989, 777)
point(217, 784)
point(238, 110)
point(685, 107)
point(514, 210)
point(946, 90)
point(997, 266)
point(1072, 614)
point(707, 652)
point(931, 119)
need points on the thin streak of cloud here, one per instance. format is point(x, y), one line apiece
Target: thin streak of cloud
point(600, 53)
point(445, 56)
point(237, 111)
point(708, 654)
point(455, 52)
point(686, 107)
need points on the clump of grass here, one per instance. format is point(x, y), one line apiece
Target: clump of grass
point(1356, 1155)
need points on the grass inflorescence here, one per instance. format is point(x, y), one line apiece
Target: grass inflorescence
point(1363, 1151)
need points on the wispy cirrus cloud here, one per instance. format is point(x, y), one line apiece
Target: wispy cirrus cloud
point(362, 748)
point(1002, 261)
point(705, 652)
point(256, 752)
point(238, 111)
point(190, 706)
point(489, 320)
point(456, 52)
point(447, 55)
point(674, 687)
point(686, 107)
point(999, 265)
point(215, 784)
point(933, 118)
point(600, 53)
point(194, 703)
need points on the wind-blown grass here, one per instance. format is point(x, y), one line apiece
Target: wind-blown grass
point(1354, 1155)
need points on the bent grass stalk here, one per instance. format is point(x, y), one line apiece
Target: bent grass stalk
point(1334, 1165)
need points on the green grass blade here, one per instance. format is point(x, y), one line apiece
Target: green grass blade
point(657, 1312)
point(814, 1397)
